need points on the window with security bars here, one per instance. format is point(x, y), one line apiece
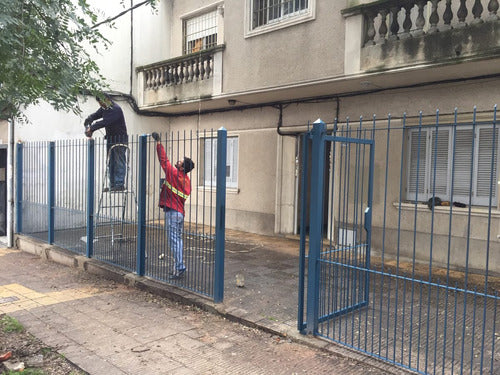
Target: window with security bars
point(210, 162)
point(268, 11)
point(200, 32)
point(460, 157)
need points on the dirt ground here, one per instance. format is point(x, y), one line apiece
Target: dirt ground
point(38, 358)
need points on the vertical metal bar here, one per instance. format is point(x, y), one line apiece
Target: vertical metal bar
point(315, 232)
point(454, 335)
point(448, 258)
point(415, 238)
point(303, 216)
point(387, 150)
point(220, 219)
point(368, 219)
point(19, 188)
point(493, 334)
point(51, 191)
point(141, 202)
point(90, 198)
point(473, 333)
point(487, 266)
point(436, 139)
point(467, 253)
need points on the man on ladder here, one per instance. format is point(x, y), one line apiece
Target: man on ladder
point(110, 117)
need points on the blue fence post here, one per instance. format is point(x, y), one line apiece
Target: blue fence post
point(51, 191)
point(220, 215)
point(90, 197)
point(141, 202)
point(316, 224)
point(303, 219)
point(19, 188)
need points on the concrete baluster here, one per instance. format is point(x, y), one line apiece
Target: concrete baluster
point(407, 23)
point(477, 11)
point(370, 29)
point(462, 14)
point(420, 21)
point(395, 23)
point(382, 30)
point(493, 9)
point(447, 16)
point(434, 17)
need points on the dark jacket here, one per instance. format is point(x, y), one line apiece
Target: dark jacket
point(113, 121)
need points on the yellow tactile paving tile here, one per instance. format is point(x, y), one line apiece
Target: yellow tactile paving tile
point(7, 251)
point(20, 290)
point(27, 299)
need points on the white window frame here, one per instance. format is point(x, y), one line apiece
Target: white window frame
point(209, 177)
point(446, 137)
point(285, 20)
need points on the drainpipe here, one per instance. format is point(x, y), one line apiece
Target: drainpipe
point(10, 185)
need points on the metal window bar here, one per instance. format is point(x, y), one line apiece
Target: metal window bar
point(269, 11)
point(200, 32)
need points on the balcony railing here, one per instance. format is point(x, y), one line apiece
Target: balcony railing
point(194, 67)
point(182, 78)
point(397, 19)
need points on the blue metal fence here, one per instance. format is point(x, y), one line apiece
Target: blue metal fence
point(64, 197)
point(411, 277)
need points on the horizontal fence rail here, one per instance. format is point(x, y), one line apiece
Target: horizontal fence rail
point(65, 197)
point(426, 296)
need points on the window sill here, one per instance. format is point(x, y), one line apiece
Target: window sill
point(475, 211)
point(280, 24)
point(213, 189)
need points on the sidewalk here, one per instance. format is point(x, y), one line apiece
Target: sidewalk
point(267, 301)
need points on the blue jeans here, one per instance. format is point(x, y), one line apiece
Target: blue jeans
point(117, 166)
point(174, 224)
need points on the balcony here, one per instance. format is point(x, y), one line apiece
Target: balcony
point(181, 80)
point(383, 35)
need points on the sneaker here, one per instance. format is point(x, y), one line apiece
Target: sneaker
point(162, 256)
point(177, 275)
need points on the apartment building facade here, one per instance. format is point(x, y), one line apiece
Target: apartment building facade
point(266, 69)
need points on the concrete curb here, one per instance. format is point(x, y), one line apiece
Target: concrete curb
point(95, 267)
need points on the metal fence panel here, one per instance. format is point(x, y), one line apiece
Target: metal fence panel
point(128, 228)
point(34, 203)
point(432, 290)
point(70, 189)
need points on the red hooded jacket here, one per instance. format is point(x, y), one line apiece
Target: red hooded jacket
point(177, 186)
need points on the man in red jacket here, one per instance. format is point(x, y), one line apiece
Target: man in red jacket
point(174, 192)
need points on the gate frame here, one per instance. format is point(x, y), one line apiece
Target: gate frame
point(319, 138)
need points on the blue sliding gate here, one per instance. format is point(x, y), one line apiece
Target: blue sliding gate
point(402, 257)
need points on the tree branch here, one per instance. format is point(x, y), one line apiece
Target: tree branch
point(120, 14)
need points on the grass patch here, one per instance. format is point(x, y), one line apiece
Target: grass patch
point(8, 324)
point(28, 371)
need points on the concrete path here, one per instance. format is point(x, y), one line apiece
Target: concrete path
point(107, 327)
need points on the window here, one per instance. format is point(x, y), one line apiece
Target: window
point(266, 12)
point(200, 32)
point(435, 156)
point(210, 162)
